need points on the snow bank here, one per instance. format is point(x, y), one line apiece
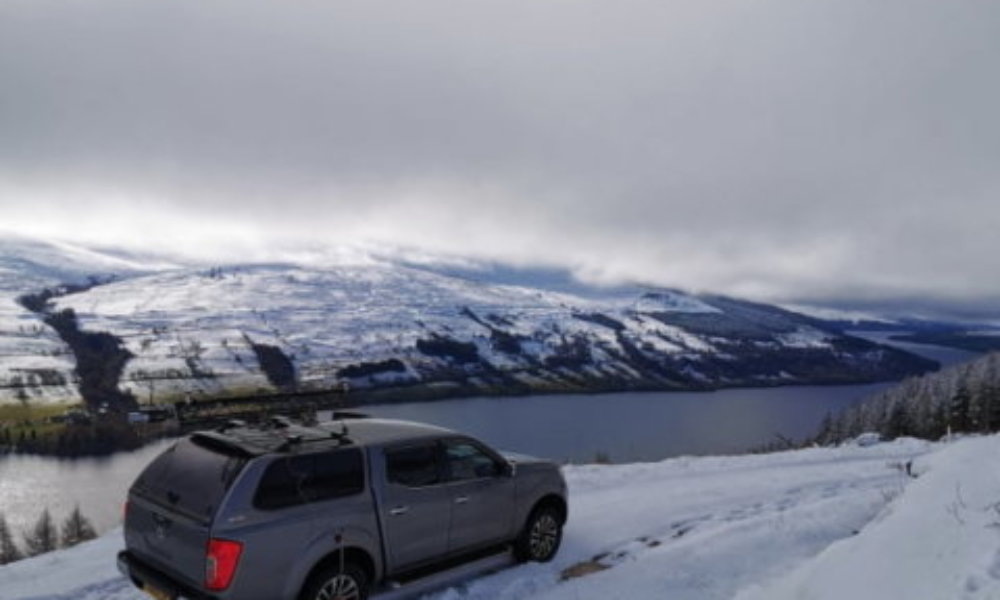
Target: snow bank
point(85, 572)
point(939, 540)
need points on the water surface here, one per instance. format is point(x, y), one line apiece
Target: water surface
point(29, 484)
point(637, 426)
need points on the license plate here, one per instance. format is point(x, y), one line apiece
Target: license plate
point(158, 594)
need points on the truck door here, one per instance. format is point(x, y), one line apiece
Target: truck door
point(416, 505)
point(482, 496)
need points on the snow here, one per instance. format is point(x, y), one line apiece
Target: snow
point(671, 301)
point(941, 539)
point(834, 314)
point(815, 524)
point(805, 337)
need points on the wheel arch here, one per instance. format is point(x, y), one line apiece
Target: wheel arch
point(554, 501)
point(351, 554)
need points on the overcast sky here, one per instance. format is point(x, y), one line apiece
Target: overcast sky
point(780, 149)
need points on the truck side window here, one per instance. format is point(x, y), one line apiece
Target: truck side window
point(413, 466)
point(310, 478)
point(466, 460)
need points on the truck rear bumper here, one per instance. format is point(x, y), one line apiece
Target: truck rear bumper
point(154, 582)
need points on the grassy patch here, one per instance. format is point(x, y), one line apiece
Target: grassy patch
point(27, 417)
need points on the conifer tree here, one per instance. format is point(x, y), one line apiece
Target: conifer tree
point(77, 528)
point(826, 434)
point(43, 537)
point(958, 416)
point(898, 424)
point(9, 551)
point(938, 426)
point(991, 406)
point(978, 410)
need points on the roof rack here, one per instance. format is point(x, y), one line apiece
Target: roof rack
point(276, 434)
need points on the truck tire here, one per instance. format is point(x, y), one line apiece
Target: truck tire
point(539, 540)
point(334, 583)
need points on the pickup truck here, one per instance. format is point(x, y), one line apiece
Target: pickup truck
point(337, 510)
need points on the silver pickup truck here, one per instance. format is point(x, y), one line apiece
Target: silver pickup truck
point(330, 511)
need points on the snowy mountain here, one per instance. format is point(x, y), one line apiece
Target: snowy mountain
point(821, 523)
point(385, 326)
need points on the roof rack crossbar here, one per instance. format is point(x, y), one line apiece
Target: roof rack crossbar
point(292, 441)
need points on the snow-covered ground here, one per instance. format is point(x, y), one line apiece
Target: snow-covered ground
point(830, 523)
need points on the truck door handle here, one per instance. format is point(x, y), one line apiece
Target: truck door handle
point(461, 500)
point(399, 510)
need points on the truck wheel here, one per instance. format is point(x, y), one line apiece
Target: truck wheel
point(540, 539)
point(333, 583)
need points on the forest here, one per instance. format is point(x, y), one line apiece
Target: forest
point(964, 398)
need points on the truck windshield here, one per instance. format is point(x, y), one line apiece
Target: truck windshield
point(190, 478)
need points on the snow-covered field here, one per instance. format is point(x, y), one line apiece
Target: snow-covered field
point(826, 523)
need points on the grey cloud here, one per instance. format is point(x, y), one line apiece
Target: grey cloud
point(832, 149)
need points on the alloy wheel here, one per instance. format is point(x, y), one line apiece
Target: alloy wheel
point(543, 536)
point(341, 587)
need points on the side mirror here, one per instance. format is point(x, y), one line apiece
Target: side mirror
point(510, 470)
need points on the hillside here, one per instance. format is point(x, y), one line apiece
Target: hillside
point(821, 523)
point(379, 326)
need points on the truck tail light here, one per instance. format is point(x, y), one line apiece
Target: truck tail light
point(220, 563)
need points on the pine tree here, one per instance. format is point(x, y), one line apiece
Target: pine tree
point(43, 537)
point(77, 528)
point(958, 414)
point(9, 551)
point(975, 414)
point(938, 427)
point(826, 434)
point(992, 395)
point(898, 424)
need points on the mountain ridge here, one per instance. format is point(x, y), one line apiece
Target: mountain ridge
point(389, 330)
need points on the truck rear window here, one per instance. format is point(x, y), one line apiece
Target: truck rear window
point(190, 478)
point(301, 479)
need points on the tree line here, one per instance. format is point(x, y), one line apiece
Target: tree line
point(45, 536)
point(963, 398)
